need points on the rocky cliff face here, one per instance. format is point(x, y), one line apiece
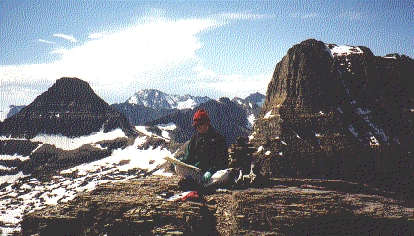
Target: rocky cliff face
point(70, 108)
point(339, 112)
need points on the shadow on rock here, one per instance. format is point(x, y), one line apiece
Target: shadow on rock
point(340, 224)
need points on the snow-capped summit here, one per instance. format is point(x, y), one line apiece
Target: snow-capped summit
point(156, 99)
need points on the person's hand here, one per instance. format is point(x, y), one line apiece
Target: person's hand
point(206, 176)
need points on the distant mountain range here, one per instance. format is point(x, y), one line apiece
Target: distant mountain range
point(157, 100)
point(150, 104)
point(71, 108)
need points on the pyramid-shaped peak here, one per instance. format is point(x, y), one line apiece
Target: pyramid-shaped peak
point(68, 88)
point(69, 108)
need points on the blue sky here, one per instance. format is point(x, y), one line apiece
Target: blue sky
point(207, 48)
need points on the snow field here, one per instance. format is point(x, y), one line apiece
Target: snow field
point(23, 196)
point(67, 143)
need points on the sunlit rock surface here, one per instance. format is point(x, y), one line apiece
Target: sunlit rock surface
point(281, 207)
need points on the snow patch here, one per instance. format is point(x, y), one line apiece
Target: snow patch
point(374, 141)
point(165, 134)
point(268, 115)
point(169, 126)
point(362, 112)
point(190, 103)
point(67, 143)
point(143, 130)
point(11, 178)
point(5, 168)
point(392, 57)
point(344, 50)
point(251, 137)
point(251, 118)
point(14, 157)
point(133, 100)
point(352, 129)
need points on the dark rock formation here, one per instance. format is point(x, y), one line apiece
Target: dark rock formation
point(19, 147)
point(226, 117)
point(70, 108)
point(252, 104)
point(257, 98)
point(339, 115)
point(283, 207)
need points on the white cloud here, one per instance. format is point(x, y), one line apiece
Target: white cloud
point(67, 37)
point(96, 35)
point(231, 85)
point(59, 51)
point(153, 53)
point(45, 41)
point(137, 56)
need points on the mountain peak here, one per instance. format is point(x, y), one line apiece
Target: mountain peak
point(159, 100)
point(70, 108)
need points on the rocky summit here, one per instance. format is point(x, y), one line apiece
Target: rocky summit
point(70, 108)
point(281, 207)
point(339, 112)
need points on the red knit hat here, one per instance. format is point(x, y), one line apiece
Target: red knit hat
point(201, 117)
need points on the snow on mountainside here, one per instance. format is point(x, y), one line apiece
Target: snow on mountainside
point(20, 194)
point(368, 131)
point(157, 99)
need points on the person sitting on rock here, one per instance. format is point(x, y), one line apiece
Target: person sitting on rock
point(207, 150)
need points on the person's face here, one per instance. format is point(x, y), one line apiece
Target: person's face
point(202, 127)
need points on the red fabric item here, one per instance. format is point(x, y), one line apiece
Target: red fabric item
point(201, 116)
point(193, 196)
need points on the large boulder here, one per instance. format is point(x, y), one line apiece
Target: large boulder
point(338, 112)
